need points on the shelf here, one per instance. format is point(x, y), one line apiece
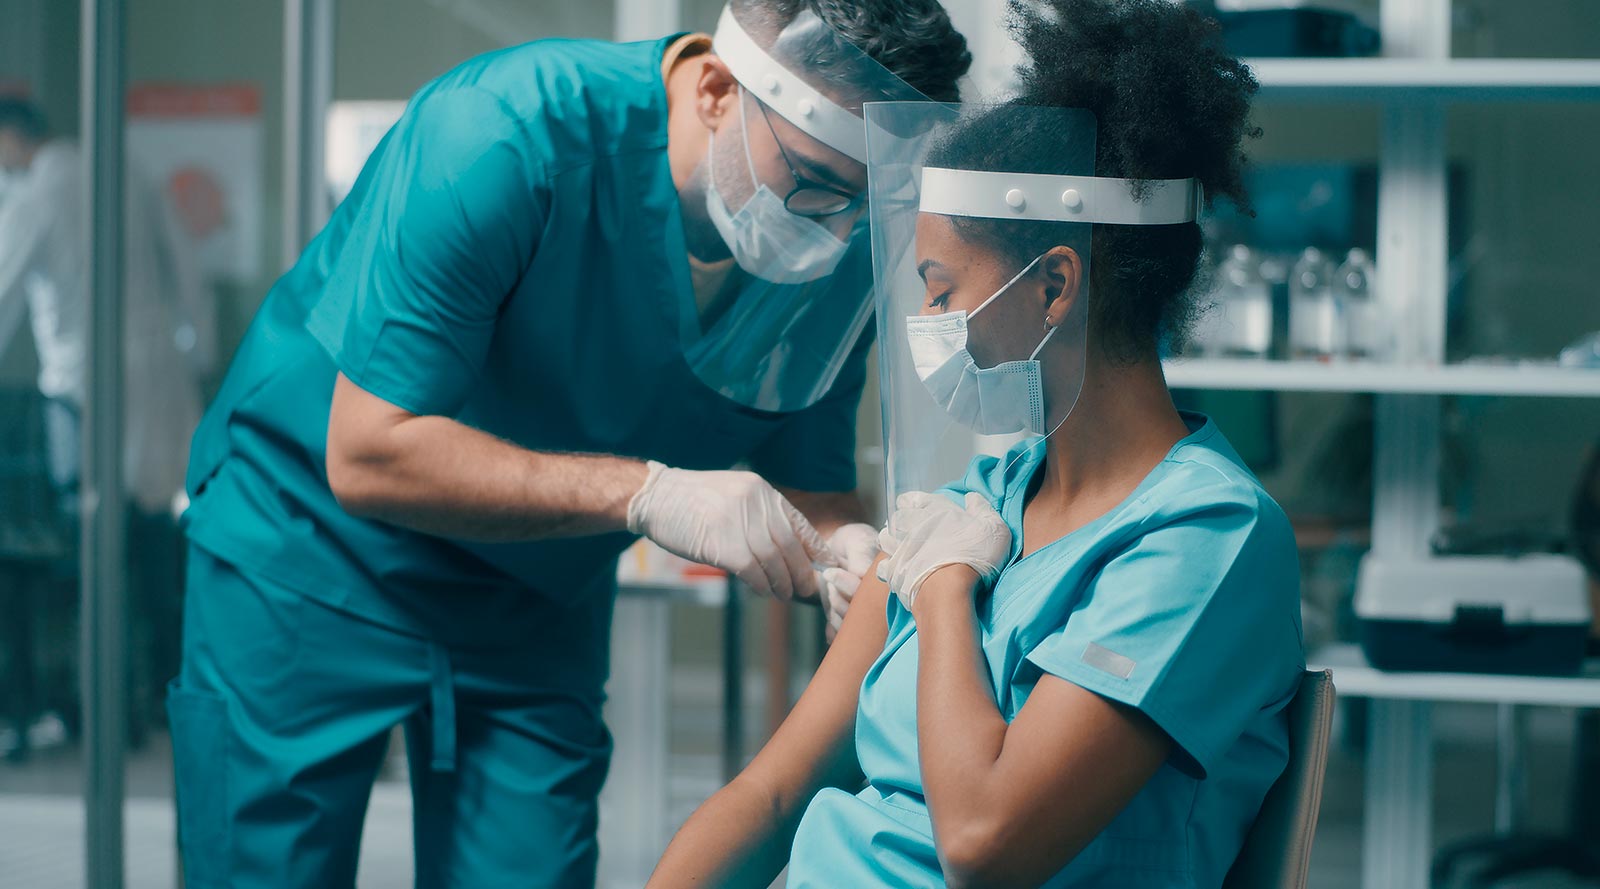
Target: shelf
point(710, 592)
point(1545, 380)
point(1457, 79)
point(1353, 677)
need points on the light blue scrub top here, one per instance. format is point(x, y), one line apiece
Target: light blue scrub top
point(1183, 602)
point(511, 256)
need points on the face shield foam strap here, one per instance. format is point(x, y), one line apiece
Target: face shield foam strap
point(1053, 198)
point(783, 91)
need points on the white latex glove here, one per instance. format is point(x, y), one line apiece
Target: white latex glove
point(855, 546)
point(928, 532)
point(735, 521)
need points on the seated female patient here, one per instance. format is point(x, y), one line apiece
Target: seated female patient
point(1077, 672)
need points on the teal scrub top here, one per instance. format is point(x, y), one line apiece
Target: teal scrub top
point(1182, 602)
point(512, 256)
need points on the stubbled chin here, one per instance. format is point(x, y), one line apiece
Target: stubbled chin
point(699, 235)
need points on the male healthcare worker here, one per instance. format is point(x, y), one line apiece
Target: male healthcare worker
point(573, 285)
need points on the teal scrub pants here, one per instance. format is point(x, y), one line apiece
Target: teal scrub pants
point(281, 716)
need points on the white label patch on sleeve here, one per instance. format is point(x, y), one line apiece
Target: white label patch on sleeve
point(1106, 660)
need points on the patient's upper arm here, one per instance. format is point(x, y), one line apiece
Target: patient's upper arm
point(815, 746)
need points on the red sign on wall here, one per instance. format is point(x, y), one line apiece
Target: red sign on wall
point(204, 142)
point(186, 100)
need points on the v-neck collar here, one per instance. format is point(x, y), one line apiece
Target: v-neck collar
point(1200, 428)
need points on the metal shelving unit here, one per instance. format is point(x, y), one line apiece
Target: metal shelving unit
point(1394, 79)
point(1531, 380)
point(1412, 87)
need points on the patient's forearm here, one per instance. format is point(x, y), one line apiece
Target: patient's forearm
point(741, 836)
point(738, 838)
point(995, 789)
point(960, 732)
point(729, 841)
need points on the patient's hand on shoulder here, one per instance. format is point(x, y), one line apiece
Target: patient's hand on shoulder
point(929, 531)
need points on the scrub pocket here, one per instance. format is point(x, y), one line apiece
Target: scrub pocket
point(200, 762)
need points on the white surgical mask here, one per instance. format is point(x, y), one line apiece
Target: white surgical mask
point(1008, 397)
point(766, 239)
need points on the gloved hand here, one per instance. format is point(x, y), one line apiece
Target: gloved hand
point(855, 546)
point(928, 532)
point(734, 521)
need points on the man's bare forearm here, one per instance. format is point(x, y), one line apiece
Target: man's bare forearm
point(827, 510)
point(441, 477)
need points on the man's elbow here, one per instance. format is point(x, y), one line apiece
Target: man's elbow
point(364, 450)
point(355, 477)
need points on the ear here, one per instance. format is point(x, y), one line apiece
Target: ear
point(715, 92)
point(1062, 269)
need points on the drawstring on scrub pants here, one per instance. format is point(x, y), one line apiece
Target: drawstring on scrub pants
point(443, 699)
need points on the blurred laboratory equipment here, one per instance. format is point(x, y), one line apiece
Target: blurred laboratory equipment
point(1315, 329)
point(1363, 324)
point(1524, 614)
point(1583, 353)
point(1244, 304)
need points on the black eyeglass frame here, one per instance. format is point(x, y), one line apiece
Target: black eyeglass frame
point(806, 186)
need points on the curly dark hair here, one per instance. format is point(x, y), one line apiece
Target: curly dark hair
point(1169, 102)
point(912, 38)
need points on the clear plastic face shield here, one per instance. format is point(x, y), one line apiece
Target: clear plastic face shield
point(982, 265)
point(785, 191)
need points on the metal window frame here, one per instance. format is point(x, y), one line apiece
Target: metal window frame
point(102, 591)
point(308, 43)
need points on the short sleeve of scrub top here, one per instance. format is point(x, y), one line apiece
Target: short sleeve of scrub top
point(433, 254)
point(1189, 607)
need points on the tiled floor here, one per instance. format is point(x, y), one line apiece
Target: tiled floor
point(41, 823)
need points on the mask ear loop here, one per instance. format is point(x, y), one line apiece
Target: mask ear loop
point(1006, 286)
point(1037, 349)
point(744, 134)
point(1040, 348)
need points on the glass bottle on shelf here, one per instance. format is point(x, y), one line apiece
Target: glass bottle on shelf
point(1362, 324)
point(1315, 330)
point(1248, 332)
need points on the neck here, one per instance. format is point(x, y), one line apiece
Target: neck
point(1123, 424)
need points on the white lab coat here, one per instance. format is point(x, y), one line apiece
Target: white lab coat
point(44, 275)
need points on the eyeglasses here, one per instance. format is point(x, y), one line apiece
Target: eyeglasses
point(809, 197)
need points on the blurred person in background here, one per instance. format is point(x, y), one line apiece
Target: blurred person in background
point(167, 333)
